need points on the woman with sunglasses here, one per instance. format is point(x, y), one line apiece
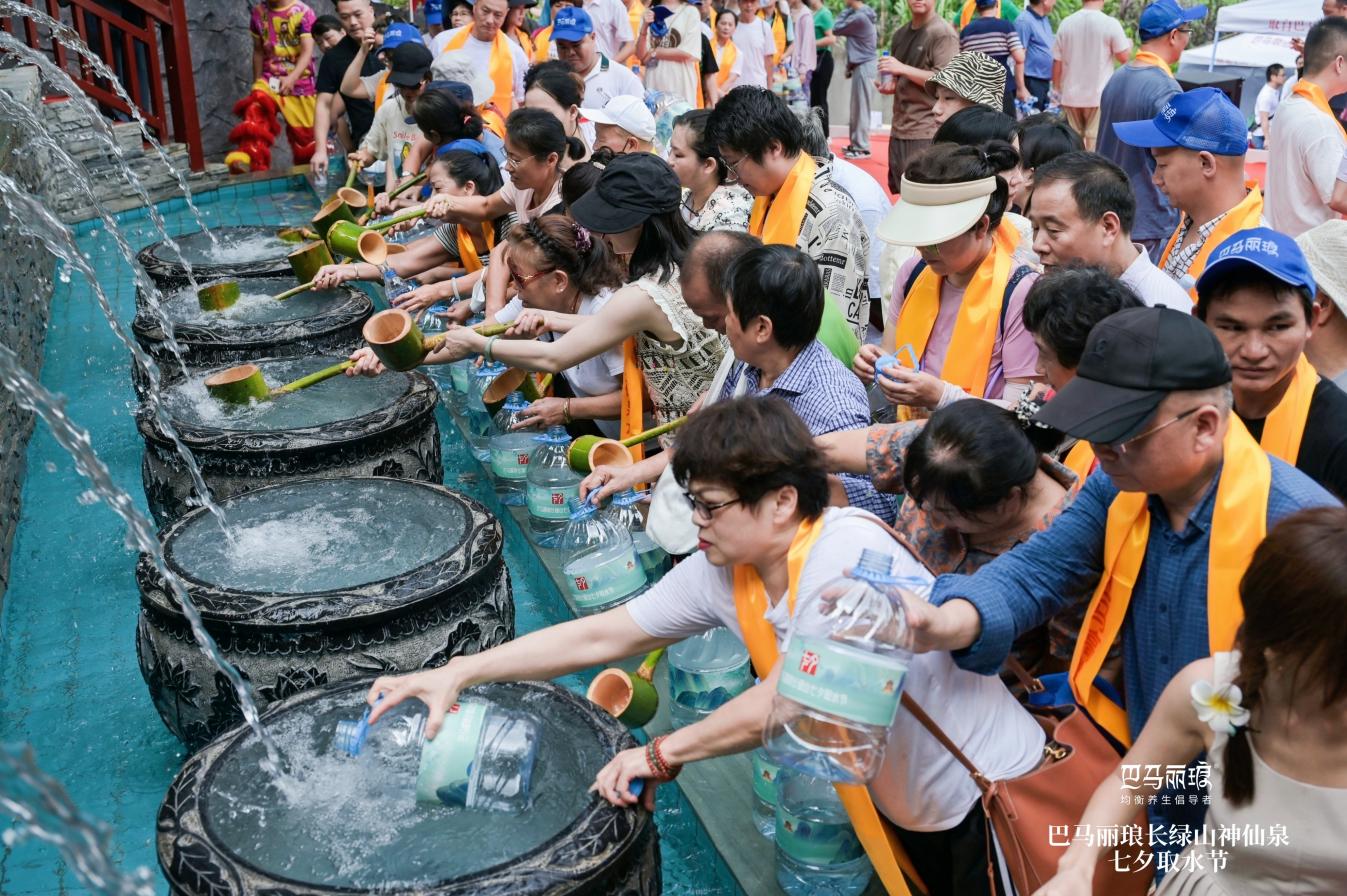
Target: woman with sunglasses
point(958, 303)
point(769, 542)
point(451, 260)
point(634, 210)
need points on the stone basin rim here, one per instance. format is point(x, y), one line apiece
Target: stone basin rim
point(612, 735)
point(353, 306)
point(396, 607)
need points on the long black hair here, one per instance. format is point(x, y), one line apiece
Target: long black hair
point(443, 117)
point(663, 242)
point(695, 120)
point(467, 167)
point(540, 134)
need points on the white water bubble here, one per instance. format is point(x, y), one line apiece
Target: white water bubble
point(50, 467)
point(88, 497)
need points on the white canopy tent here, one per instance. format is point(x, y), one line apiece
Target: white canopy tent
point(1289, 17)
point(1257, 34)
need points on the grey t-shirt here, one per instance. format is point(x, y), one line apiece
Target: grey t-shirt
point(1137, 92)
point(858, 27)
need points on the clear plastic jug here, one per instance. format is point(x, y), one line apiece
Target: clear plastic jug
point(511, 449)
point(601, 568)
point(551, 485)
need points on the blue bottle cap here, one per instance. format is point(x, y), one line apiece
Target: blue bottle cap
point(636, 787)
point(555, 435)
point(874, 566)
point(515, 401)
point(350, 736)
point(582, 510)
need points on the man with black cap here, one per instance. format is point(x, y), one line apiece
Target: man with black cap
point(1198, 141)
point(357, 20)
point(393, 132)
point(1258, 296)
point(1160, 536)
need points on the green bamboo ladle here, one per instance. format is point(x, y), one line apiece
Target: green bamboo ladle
point(341, 207)
point(415, 181)
point(588, 452)
point(630, 697)
point(399, 343)
point(245, 383)
point(514, 379)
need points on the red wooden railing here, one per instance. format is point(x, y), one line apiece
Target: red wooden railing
point(145, 42)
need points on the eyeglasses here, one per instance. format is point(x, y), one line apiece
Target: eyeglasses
point(732, 169)
point(1184, 30)
point(1121, 447)
point(521, 282)
point(707, 511)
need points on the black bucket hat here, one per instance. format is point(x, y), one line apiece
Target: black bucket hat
point(632, 188)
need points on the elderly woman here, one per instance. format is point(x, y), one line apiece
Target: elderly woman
point(759, 491)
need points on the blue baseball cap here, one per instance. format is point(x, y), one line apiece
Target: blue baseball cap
point(1163, 16)
point(399, 33)
point(1268, 250)
point(572, 24)
point(1202, 120)
point(434, 12)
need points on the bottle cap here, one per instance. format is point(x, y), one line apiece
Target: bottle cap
point(516, 401)
point(350, 735)
point(581, 510)
point(875, 567)
point(555, 435)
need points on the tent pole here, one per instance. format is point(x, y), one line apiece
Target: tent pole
point(1215, 42)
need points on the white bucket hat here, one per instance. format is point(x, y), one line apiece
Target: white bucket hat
point(1325, 248)
point(456, 65)
point(927, 214)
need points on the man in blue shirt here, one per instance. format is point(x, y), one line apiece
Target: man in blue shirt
point(1140, 89)
point(1035, 31)
point(1152, 395)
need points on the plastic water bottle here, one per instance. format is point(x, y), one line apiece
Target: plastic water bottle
point(479, 418)
point(706, 671)
point(430, 323)
point(602, 569)
point(551, 486)
point(625, 507)
point(394, 286)
point(482, 757)
point(511, 449)
point(817, 850)
point(887, 82)
point(765, 773)
point(842, 675)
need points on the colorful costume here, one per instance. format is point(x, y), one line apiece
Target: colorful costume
point(280, 34)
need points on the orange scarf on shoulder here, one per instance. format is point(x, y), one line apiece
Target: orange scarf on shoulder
point(1146, 57)
point(1237, 527)
point(500, 67)
point(1285, 426)
point(750, 603)
point(777, 219)
point(1245, 216)
point(1080, 460)
point(726, 54)
point(467, 250)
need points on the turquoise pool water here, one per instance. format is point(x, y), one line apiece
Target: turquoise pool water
point(69, 683)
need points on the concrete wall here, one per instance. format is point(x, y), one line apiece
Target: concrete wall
point(25, 292)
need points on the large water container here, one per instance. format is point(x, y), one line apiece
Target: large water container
point(706, 671)
point(511, 448)
point(478, 417)
point(430, 324)
point(551, 486)
point(846, 655)
point(765, 774)
point(626, 507)
point(817, 850)
point(601, 569)
point(481, 758)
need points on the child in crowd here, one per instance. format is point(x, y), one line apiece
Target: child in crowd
point(283, 86)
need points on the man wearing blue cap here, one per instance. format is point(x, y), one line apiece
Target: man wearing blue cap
point(1140, 90)
point(434, 10)
point(1257, 296)
point(1198, 141)
point(573, 36)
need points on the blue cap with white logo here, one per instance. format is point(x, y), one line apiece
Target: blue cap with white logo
point(572, 24)
point(399, 33)
point(1202, 120)
point(1268, 250)
point(1163, 16)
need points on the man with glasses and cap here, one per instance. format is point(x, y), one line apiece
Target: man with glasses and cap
point(1157, 539)
point(1140, 90)
point(1257, 295)
point(577, 46)
point(1198, 141)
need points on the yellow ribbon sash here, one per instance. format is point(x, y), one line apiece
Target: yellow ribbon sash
point(750, 604)
point(542, 44)
point(635, 12)
point(777, 219)
point(1146, 57)
point(467, 249)
point(633, 389)
point(381, 90)
point(1285, 426)
point(1080, 460)
point(1315, 94)
point(778, 36)
point(1237, 527)
point(500, 67)
point(968, 361)
point(726, 54)
point(1245, 216)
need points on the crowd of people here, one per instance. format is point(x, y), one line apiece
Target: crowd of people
point(1081, 377)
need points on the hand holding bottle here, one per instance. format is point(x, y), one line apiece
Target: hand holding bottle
point(437, 688)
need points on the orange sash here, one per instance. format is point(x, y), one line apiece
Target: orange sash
point(750, 604)
point(726, 55)
point(381, 90)
point(778, 35)
point(1080, 460)
point(969, 359)
point(1238, 525)
point(467, 252)
point(635, 12)
point(1315, 94)
point(1285, 426)
point(1146, 57)
point(777, 219)
point(500, 67)
point(633, 388)
point(969, 10)
point(1007, 236)
point(1245, 216)
point(542, 44)
point(493, 121)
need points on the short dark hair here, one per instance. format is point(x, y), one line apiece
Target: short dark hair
point(1326, 41)
point(323, 24)
point(1045, 139)
point(748, 119)
point(782, 284)
point(753, 445)
point(946, 163)
point(1224, 281)
point(1064, 305)
point(445, 115)
point(1097, 186)
point(1274, 70)
point(714, 251)
point(975, 126)
point(972, 454)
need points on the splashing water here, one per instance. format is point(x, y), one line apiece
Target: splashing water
point(70, 39)
point(32, 396)
point(245, 249)
point(43, 810)
point(34, 219)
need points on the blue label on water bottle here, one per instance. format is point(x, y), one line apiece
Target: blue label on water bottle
point(612, 580)
point(549, 502)
point(510, 463)
point(854, 684)
point(817, 843)
point(446, 761)
point(708, 691)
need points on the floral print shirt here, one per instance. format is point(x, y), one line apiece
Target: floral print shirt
point(728, 208)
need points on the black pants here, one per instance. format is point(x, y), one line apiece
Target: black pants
point(1039, 88)
point(954, 862)
point(818, 86)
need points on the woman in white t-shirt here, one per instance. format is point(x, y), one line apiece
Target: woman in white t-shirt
point(670, 48)
point(759, 493)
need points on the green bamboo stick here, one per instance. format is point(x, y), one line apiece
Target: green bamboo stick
point(303, 287)
point(398, 219)
point(419, 179)
point(353, 174)
point(313, 379)
point(654, 432)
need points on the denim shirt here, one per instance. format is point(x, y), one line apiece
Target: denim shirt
point(1035, 33)
point(1166, 623)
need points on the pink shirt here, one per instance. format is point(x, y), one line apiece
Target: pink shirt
point(1014, 354)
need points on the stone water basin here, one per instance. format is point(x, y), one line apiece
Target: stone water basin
point(345, 426)
point(341, 825)
point(247, 251)
point(319, 580)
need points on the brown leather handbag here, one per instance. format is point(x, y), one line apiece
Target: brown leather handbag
point(1022, 811)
